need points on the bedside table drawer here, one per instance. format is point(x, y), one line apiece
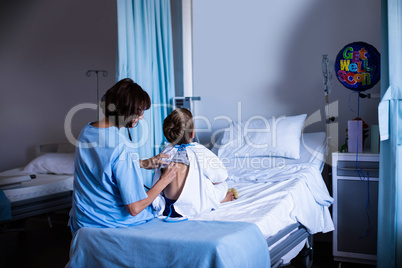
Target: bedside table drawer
point(348, 168)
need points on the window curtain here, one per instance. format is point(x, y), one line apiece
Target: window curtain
point(389, 247)
point(145, 54)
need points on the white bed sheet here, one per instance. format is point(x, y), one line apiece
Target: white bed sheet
point(273, 206)
point(42, 185)
point(275, 194)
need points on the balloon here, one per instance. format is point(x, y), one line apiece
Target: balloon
point(357, 66)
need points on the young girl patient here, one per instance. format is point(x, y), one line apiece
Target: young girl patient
point(199, 185)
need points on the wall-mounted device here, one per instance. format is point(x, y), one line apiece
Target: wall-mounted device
point(370, 96)
point(185, 102)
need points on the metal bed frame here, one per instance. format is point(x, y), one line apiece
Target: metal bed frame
point(304, 258)
point(40, 205)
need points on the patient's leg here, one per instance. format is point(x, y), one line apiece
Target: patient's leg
point(222, 193)
point(229, 197)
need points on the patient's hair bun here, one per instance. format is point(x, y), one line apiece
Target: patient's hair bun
point(178, 126)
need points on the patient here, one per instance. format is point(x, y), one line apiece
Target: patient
point(200, 184)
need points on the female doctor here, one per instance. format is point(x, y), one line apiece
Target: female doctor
point(108, 184)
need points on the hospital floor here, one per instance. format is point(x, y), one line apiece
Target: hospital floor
point(33, 243)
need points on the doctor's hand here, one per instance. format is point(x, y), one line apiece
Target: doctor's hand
point(154, 162)
point(170, 173)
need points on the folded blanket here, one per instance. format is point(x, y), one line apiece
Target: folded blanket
point(180, 244)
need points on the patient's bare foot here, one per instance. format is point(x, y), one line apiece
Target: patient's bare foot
point(229, 197)
point(235, 192)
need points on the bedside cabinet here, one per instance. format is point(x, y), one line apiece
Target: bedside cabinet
point(355, 207)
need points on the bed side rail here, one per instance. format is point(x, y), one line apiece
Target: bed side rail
point(287, 244)
point(40, 205)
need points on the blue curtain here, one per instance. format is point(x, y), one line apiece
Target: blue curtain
point(145, 54)
point(389, 247)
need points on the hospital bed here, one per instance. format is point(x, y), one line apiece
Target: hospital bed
point(289, 197)
point(45, 185)
point(285, 197)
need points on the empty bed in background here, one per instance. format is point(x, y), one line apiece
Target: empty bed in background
point(46, 186)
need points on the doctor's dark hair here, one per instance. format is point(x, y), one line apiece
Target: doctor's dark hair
point(178, 126)
point(125, 101)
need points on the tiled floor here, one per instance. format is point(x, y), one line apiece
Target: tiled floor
point(41, 246)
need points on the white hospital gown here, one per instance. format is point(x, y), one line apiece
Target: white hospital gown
point(199, 194)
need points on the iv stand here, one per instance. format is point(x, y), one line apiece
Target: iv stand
point(327, 81)
point(104, 74)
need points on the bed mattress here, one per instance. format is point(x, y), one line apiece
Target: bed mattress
point(42, 185)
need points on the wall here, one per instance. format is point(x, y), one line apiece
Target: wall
point(264, 56)
point(45, 50)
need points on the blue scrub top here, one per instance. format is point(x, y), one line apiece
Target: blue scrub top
point(107, 177)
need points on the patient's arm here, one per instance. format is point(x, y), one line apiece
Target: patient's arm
point(174, 189)
point(168, 176)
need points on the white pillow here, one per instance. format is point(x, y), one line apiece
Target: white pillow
point(261, 137)
point(56, 163)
